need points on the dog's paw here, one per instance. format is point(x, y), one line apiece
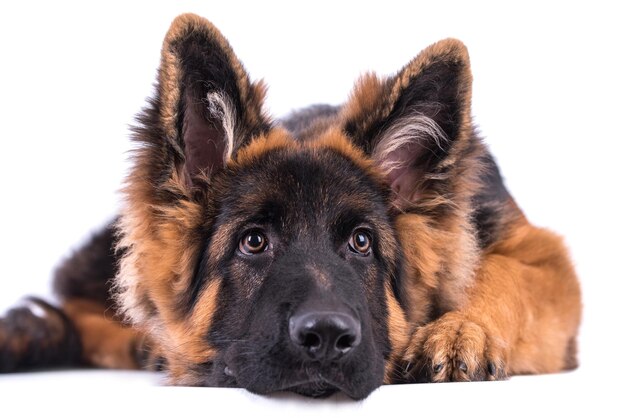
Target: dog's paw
point(36, 335)
point(453, 348)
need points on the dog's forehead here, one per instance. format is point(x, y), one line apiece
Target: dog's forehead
point(307, 184)
point(314, 180)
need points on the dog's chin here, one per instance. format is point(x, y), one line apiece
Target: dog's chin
point(356, 377)
point(319, 387)
point(312, 389)
point(315, 389)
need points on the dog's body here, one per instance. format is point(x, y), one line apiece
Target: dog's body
point(340, 249)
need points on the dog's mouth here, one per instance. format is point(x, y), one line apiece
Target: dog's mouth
point(314, 389)
point(317, 386)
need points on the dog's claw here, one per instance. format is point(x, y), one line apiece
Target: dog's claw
point(407, 367)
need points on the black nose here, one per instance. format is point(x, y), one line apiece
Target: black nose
point(324, 336)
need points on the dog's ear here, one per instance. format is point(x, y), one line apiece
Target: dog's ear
point(411, 123)
point(205, 106)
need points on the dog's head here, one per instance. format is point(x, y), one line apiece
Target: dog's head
point(261, 260)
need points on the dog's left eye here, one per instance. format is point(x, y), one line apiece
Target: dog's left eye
point(360, 242)
point(254, 242)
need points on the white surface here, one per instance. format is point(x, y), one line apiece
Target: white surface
point(548, 96)
point(101, 393)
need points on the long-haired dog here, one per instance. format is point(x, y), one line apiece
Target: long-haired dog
point(336, 250)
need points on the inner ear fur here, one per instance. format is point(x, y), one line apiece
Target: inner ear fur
point(207, 106)
point(412, 123)
point(204, 109)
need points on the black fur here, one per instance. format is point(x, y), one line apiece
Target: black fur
point(28, 341)
point(306, 202)
point(309, 227)
point(490, 203)
point(206, 69)
point(300, 122)
point(88, 272)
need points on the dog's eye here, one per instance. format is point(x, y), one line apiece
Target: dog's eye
point(253, 243)
point(360, 242)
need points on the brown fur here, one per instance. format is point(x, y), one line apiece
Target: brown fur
point(521, 315)
point(105, 341)
point(170, 78)
point(469, 308)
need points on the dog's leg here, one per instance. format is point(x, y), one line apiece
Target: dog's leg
point(80, 333)
point(85, 330)
point(105, 342)
point(522, 317)
point(37, 335)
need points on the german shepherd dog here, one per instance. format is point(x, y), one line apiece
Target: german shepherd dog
point(336, 250)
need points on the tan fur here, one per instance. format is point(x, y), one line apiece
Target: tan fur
point(162, 242)
point(169, 74)
point(165, 247)
point(441, 252)
point(366, 101)
point(277, 138)
point(515, 305)
point(523, 311)
point(105, 341)
point(333, 138)
point(465, 298)
point(373, 98)
point(398, 332)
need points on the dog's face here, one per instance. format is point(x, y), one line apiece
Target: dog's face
point(265, 258)
point(304, 249)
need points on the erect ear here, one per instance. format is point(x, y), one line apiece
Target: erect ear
point(412, 123)
point(206, 107)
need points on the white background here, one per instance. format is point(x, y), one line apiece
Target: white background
point(548, 97)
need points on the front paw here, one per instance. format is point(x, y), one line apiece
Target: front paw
point(453, 348)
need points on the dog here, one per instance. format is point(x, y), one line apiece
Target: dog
point(339, 249)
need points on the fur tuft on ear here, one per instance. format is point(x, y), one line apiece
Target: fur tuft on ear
point(413, 123)
point(221, 108)
point(207, 107)
point(208, 146)
point(396, 152)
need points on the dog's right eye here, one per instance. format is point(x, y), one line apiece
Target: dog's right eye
point(254, 242)
point(360, 242)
